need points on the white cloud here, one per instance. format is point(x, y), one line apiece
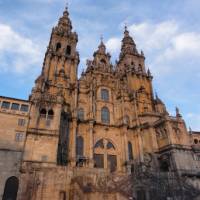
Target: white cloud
point(164, 44)
point(113, 45)
point(17, 52)
point(194, 120)
point(153, 36)
point(184, 44)
point(166, 37)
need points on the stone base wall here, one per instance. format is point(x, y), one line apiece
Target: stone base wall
point(9, 166)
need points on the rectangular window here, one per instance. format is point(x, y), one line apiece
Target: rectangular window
point(19, 137)
point(24, 108)
point(21, 122)
point(15, 106)
point(112, 163)
point(98, 161)
point(5, 105)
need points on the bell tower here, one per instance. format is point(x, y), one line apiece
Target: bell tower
point(50, 134)
point(131, 66)
point(61, 58)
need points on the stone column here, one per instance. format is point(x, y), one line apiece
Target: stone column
point(91, 145)
point(72, 142)
point(124, 134)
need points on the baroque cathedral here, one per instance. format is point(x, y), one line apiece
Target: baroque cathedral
point(97, 136)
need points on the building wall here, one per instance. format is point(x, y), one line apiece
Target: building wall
point(13, 125)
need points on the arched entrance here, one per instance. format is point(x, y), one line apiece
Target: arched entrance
point(11, 188)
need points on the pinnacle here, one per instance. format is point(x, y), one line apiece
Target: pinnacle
point(101, 42)
point(66, 11)
point(126, 32)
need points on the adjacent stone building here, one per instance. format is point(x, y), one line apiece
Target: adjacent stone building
point(80, 138)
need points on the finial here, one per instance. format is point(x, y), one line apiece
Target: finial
point(126, 32)
point(148, 72)
point(101, 38)
point(125, 26)
point(66, 7)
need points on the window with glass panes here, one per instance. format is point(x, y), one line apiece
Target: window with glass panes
point(24, 108)
point(104, 94)
point(5, 105)
point(15, 106)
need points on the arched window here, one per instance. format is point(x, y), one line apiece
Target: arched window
point(105, 155)
point(68, 50)
point(195, 141)
point(58, 46)
point(99, 144)
point(43, 113)
point(130, 151)
point(81, 114)
point(11, 188)
point(79, 146)
point(105, 115)
point(110, 146)
point(104, 94)
point(50, 114)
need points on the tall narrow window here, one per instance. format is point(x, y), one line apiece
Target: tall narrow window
point(104, 94)
point(62, 195)
point(63, 143)
point(79, 146)
point(11, 188)
point(112, 162)
point(50, 114)
point(80, 114)
point(98, 160)
point(105, 115)
point(58, 46)
point(68, 50)
point(43, 113)
point(130, 151)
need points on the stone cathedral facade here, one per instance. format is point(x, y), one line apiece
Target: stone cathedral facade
point(80, 138)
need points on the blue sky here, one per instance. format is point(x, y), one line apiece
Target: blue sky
point(167, 31)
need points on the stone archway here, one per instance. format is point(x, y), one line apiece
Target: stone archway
point(11, 188)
